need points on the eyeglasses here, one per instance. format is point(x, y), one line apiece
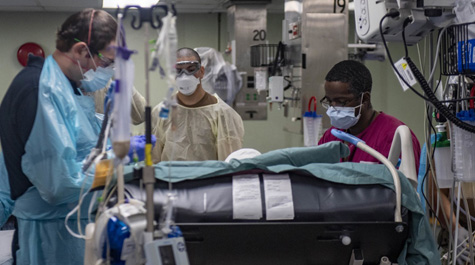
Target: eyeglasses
point(106, 62)
point(326, 103)
point(192, 68)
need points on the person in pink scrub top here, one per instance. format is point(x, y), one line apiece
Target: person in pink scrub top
point(348, 103)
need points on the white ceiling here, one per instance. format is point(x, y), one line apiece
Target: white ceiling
point(186, 6)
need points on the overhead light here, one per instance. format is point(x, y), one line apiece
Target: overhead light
point(123, 3)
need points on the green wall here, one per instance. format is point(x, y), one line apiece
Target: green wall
point(197, 30)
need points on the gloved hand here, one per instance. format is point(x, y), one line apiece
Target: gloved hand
point(137, 144)
point(463, 247)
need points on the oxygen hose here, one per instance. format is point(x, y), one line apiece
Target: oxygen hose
point(435, 101)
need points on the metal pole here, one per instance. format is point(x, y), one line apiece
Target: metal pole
point(148, 171)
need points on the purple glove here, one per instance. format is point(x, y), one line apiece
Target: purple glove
point(137, 144)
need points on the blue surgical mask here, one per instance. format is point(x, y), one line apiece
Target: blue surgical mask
point(98, 79)
point(344, 117)
point(95, 80)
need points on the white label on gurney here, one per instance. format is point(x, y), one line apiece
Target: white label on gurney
point(247, 202)
point(278, 194)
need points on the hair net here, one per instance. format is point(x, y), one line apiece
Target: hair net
point(220, 77)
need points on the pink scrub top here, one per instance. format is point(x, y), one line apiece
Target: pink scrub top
point(379, 135)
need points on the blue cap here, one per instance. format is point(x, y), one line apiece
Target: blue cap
point(312, 114)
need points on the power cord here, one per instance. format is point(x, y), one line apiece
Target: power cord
point(424, 85)
point(393, 14)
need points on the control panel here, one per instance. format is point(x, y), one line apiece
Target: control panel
point(361, 17)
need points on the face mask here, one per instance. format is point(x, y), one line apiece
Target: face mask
point(187, 84)
point(344, 117)
point(95, 80)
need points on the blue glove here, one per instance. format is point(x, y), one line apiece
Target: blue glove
point(137, 144)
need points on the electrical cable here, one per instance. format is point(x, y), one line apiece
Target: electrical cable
point(429, 167)
point(393, 14)
point(444, 110)
point(419, 57)
point(279, 57)
point(424, 85)
point(456, 100)
point(469, 225)
point(441, 33)
point(404, 25)
point(425, 197)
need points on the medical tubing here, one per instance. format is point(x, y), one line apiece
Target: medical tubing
point(106, 134)
point(393, 171)
point(91, 205)
point(437, 211)
point(454, 261)
point(444, 110)
point(102, 134)
point(450, 251)
point(451, 235)
point(469, 226)
point(456, 100)
point(430, 157)
point(362, 145)
point(397, 184)
point(429, 204)
point(313, 99)
point(77, 209)
point(431, 75)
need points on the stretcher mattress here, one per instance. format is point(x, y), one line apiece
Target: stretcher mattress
point(325, 215)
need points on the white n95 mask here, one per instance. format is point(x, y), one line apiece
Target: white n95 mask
point(187, 84)
point(95, 80)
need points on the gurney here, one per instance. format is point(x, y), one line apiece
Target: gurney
point(344, 213)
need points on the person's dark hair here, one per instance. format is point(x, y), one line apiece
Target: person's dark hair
point(76, 28)
point(354, 73)
point(188, 52)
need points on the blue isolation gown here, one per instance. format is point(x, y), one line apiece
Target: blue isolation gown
point(64, 131)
